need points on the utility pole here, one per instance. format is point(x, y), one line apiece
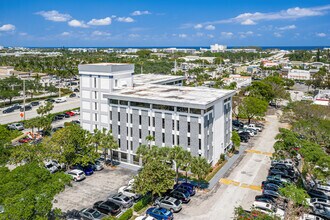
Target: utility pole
point(24, 97)
point(59, 89)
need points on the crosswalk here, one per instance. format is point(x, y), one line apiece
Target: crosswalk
point(241, 185)
point(259, 152)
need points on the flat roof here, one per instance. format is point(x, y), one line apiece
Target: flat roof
point(195, 97)
point(155, 78)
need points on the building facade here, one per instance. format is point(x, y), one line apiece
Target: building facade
point(136, 106)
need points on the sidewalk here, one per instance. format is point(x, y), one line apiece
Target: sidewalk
point(229, 164)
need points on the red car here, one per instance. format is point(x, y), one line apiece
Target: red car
point(70, 113)
point(25, 140)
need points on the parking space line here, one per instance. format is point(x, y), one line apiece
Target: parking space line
point(259, 152)
point(238, 184)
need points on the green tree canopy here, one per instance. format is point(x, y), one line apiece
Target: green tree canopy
point(252, 107)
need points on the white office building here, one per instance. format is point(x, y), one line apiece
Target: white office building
point(297, 74)
point(135, 106)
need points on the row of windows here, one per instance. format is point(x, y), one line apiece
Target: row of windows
point(160, 107)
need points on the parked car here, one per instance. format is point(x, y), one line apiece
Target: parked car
point(160, 213)
point(145, 217)
point(179, 194)
point(51, 167)
point(76, 112)
point(245, 133)
point(75, 122)
point(77, 175)
point(108, 207)
point(88, 170)
point(59, 117)
point(169, 203)
point(24, 140)
point(50, 100)
point(271, 193)
point(310, 217)
point(244, 138)
point(238, 123)
point(284, 173)
point(8, 110)
point(16, 126)
point(268, 209)
point(76, 90)
point(321, 210)
point(16, 106)
point(72, 95)
point(279, 178)
point(121, 199)
point(91, 214)
point(66, 115)
point(60, 100)
point(129, 192)
point(312, 201)
point(271, 187)
point(253, 126)
point(287, 162)
point(185, 187)
point(27, 108)
point(36, 103)
point(313, 193)
point(57, 128)
point(70, 113)
point(97, 166)
point(265, 198)
point(269, 184)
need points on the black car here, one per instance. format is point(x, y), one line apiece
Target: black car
point(57, 128)
point(75, 122)
point(66, 115)
point(35, 103)
point(278, 183)
point(59, 117)
point(181, 195)
point(313, 193)
point(237, 123)
point(244, 138)
point(322, 211)
point(245, 133)
point(16, 106)
point(8, 110)
point(271, 187)
point(108, 207)
point(50, 100)
point(76, 90)
point(72, 95)
point(265, 198)
point(288, 171)
point(27, 108)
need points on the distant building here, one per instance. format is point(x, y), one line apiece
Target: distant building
point(135, 106)
point(217, 48)
point(322, 98)
point(241, 81)
point(297, 74)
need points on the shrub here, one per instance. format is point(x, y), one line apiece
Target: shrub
point(126, 215)
point(142, 203)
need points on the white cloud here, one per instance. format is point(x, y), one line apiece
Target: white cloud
point(248, 22)
point(23, 34)
point(198, 26)
point(100, 22)
point(288, 14)
point(277, 34)
point(133, 35)
point(7, 27)
point(288, 27)
point(100, 33)
point(54, 16)
point(125, 19)
point(138, 13)
point(199, 34)
point(245, 34)
point(227, 34)
point(210, 36)
point(65, 33)
point(321, 35)
point(183, 35)
point(76, 23)
point(210, 27)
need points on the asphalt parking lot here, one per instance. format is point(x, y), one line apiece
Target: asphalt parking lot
point(94, 188)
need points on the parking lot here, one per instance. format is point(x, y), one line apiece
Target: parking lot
point(94, 188)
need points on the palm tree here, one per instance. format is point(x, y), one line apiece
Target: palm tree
point(105, 141)
point(200, 167)
point(149, 139)
point(177, 155)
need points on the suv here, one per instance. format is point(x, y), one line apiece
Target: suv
point(121, 199)
point(16, 126)
point(35, 103)
point(128, 191)
point(91, 214)
point(313, 193)
point(268, 209)
point(77, 175)
point(178, 194)
point(160, 213)
point(185, 187)
point(27, 108)
point(169, 203)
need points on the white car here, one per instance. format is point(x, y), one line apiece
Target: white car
point(144, 217)
point(253, 126)
point(310, 217)
point(312, 201)
point(76, 112)
point(77, 175)
point(268, 209)
point(51, 167)
point(16, 126)
point(128, 191)
point(60, 100)
point(131, 182)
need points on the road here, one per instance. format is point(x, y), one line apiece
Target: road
point(58, 107)
point(242, 184)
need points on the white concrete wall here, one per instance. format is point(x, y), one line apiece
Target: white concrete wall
point(218, 131)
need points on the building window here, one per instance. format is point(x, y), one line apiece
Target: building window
point(178, 140)
point(163, 122)
point(131, 118)
point(163, 107)
point(149, 121)
point(119, 143)
point(140, 119)
point(95, 116)
point(131, 132)
point(173, 125)
point(127, 145)
point(116, 83)
point(95, 105)
point(127, 132)
point(114, 101)
point(163, 137)
point(118, 116)
point(199, 128)
point(110, 115)
point(153, 134)
point(96, 127)
point(199, 144)
point(131, 145)
point(127, 117)
point(178, 125)
point(118, 129)
point(182, 109)
point(140, 104)
point(153, 121)
point(195, 111)
point(95, 95)
point(124, 157)
point(140, 133)
point(94, 82)
point(188, 141)
point(122, 102)
point(188, 126)
point(173, 139)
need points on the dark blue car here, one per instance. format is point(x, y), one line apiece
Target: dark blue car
point(88, 170)
point(160, 213)
point(186, 187)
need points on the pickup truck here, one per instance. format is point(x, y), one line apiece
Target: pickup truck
point(254, 127)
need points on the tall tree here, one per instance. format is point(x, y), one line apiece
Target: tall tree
point(252, 107)
point(178, 155)
point(200, 167)
point(104, 141)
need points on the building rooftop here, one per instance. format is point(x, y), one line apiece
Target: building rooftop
point(195, 97)
point(155, 78)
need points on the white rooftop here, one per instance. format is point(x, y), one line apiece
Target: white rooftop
point(155, 78)
point(166, 94)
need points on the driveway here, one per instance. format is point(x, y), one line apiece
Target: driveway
point(94, 188)
point(241, 185)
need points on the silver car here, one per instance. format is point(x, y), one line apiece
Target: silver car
point(91, 214)
point(169, 203)
point(16, 126)
point(77, 175)
point(121, 199)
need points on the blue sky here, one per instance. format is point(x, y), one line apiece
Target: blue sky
point(164, 22)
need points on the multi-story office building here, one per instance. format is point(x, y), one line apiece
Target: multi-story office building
point(135, 106)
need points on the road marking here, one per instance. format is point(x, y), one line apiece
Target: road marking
point(238, 184)
point(259, 152)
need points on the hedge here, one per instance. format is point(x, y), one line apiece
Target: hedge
point(126, 215)
point(142, 203)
